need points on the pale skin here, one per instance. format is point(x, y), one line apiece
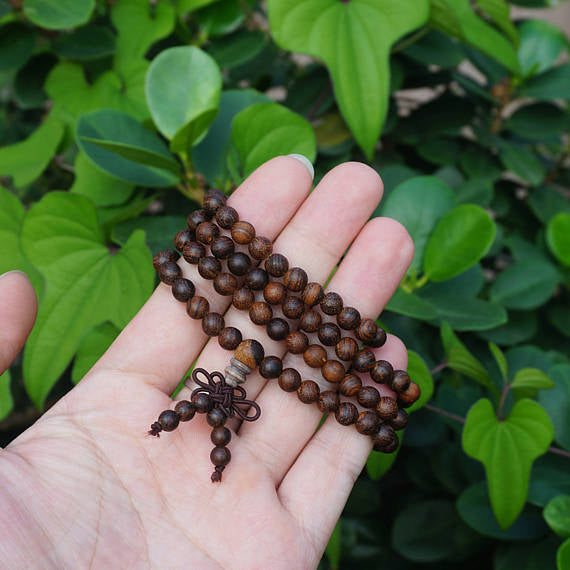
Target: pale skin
point(85, 487)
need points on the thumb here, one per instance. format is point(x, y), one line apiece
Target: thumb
point(18, 308)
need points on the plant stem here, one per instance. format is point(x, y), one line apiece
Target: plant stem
point(437, 368)
point(444, 413)
point(410, 40)
point(504, 393)
point(320, 100)
point(559, 451)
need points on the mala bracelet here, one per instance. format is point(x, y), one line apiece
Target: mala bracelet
point(221, 399)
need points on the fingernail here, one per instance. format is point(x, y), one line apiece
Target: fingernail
point(11, 272)
point(304, 160)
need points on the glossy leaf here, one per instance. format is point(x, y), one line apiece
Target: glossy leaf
point(17, 44)
point(546, 202)
point(500, 360)
point(158, 230)
point(379, 463)
point(85, 44)
point(419, 373)
point(29, 83)
point(409, 304)
point(6, 400)
point(558, 237)
point(557, 403)
point(499, 12)
point(540, 45)
point(538, 121)
point(550, 85)
point(531, 378)
point(93, 345)
point(238, 48)
point(58, 14)
point(436, 48)
point(557, 515)
point(522, 162)
point(563, 556)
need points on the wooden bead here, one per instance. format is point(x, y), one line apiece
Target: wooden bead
point(225, 284)
point(346, 414)
point(243, 299)
point(271, 367)
point(368, 397)
point(275, 293)
point(212, 324)
point(400, 421)
point(308, 392)
point(348, 319)
point(289, 380)
point(379, 340)
point(329, 334)
point(367, 423)
point(260, 313)
point(168, 420)
point(216, 418)
point(364, 360)
point(346, 348)
point(222, 247)
point(295, 279)
point(220, 456)
point(209, 267)
point(392, 446)
point(243, 232)
point(387, 408)
point(277, 329)
point(239, 263)
point(296, 342)
point(250, 352)
point(276, 265)
point(409, 396)
point(256, 279)
point(383, 437)
point(260, 247)
point(328, 402)
point(366, 330)
point(315, 356)
point(400, 381)
point(193, 252)
point(229, 338)
point(312, 294)
point(310, 321)
point(333, 371)
point(183, 289)
point(195, 218)
point(202, 402)
point(197, 307)
point(207, 232)
point(183, 237)
point(164, 256)
point(382, 372)
point(213, 201)
point(169, 272)
point(331, 304)
point(293, 307)
point(226, 216)
point(221, 436)
point(350, 385)
point(185, 410)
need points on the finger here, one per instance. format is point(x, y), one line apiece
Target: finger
point(366, 279)
point(162, 341)
point(18, 309)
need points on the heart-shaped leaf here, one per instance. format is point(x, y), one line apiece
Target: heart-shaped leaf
point(93, 346)
point(531, 378)
point(58, 14)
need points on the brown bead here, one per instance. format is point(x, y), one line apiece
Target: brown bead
point(243, 232)
point(383, 437)
point(185, 410)
point(193, 252)
point(289, 380)
point(183, 237)
point(350, 385)
point(243, 299)
point(346, 414)
point(183, 289)
point(315, 356)
point(274, 293)
point(168, 420)
point(364, 360)
point(366, 330)
point(277, 329)
point(222, 247)
point(229, 338)
point(239, 263)
point(379, 340)
point(312, 294)
point(295, 279)
point(221, 436)
point(296, 342)
point(260, 247)
point(164, 256)
point(333, 371)
point(368, 397)
point(308, 392)
point(216, 418)
point(387, 408)
point(392, 446)
point(202, 402)
point(382, 372)
point(367, 423)
point(329, 334)
point(400, 381)
point(409, 396)
point(212, 324)
point(276, 265)
point(260, 313)
point(331, 304)
point(250, 352)
point(346, 348)
point(293, 307)
point(226, 216)
point(213, 201)
point(271, 367)
point(207, 232)
point(197, 307)
point(169, 272)
point(348, 318)
point(310, 321)
point(328, 402)
point(209, 267)
point(225, 284)
point(195, 218)
point(256, 279)
point(220, 456)
point(400, 421)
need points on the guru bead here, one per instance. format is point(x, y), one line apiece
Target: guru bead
point(213, 200)
point(289, 380)
point(226, 216)
point(400, 421)
point(387, 408)
point(295, 279)
point(243, 299)
point(250, 352)
point(185, 410)
point(277, 329)
point(271, 367)
point(260, 247)
point(308, 392)
point(239, 263)
point(275, 293)
point(197, 307)
point(346, 414)
point(315, 356)
point(276, 265)
point(328, 402)
point(209, 267)
point(169, 271)
point(168, 420)
point(400, 381)
point(183, 289)
point(164, 256)
point(364, 360)
point(293, 307)
point(221, 436)
point(331, 304)
point(382, 372)
point(384, 436)
point(329, 334)
point(207, 232)
point(366, 423)
point(243, 232)
point(333, 371)
point(220, 456)
point(409, 396)
point(366, 330)
point(216, 418)
point(212, 324)
point(310, 321)
point(350, 385)
point(203, 402)
point(256, 279)
point(348, 318)
point(225, 284)
point(260, 313)
point(183, 237)
point(222, 247)
point(229, 338)
point(195, 218)
point(312, 294)
point(193, 252)
point(296, 342)
point(368, 397)
point(346, 348)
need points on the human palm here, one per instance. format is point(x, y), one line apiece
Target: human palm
point(85, 487)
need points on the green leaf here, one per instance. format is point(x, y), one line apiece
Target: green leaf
point(558, 237)
point(439, 151)
point(93, 345)
point(460, 239)
point(563, 556)
point(466, 284)
point(29, 83)
point(546, 202)
point(478, 190)
point(436, 48)
point(538, 121)
point(333, 549)
point(540, 45)
point(531, 378)
point(507, 449)
point(547, 481)
point(86, 44)
point(234, 50)
point(222, 18)
point(419, 373)
point(158, 230)
point(185, 6)
point(86, 285)
point(379, 463)
point(106, 125)
point(557, 515)
point(500, 360)
point(559, 317)
point(17, 44)
point(557, 403)
point(6, 401)
point(183, 86)
point(265, 130)
point(411, 305)
point(353, 39)
point(418, 204)
point(499, 12)
point(479, 162)
point(58, 14)
point(550, 85)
